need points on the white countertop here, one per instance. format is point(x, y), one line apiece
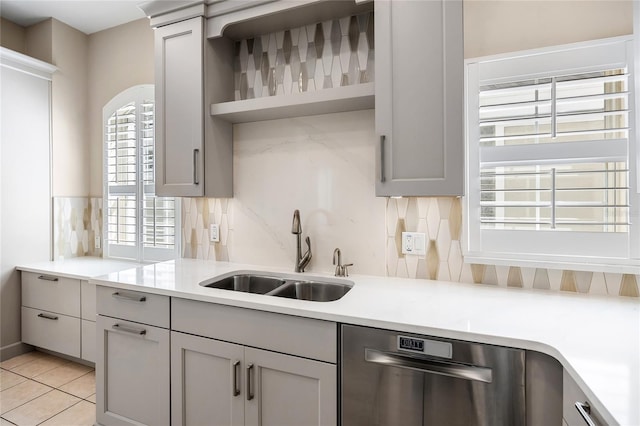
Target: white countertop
point(81, 268)
point(596, 338)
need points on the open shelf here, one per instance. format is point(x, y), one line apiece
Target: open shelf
point(325, 101)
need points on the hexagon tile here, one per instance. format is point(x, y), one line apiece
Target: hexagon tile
point(440, 218)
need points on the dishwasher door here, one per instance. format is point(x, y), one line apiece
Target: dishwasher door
point(401, 379)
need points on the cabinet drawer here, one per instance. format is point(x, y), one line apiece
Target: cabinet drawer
point(51, 293)
point(88, 341)
point(134, 306)
point(309, 338)
point(88, 300)
point(53, 331)
point(571, 394)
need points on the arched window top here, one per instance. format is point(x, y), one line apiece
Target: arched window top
point(137, 224)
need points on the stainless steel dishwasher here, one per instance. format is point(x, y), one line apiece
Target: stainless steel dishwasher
point(400, 379)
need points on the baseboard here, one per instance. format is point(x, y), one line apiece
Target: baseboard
point(14, 349)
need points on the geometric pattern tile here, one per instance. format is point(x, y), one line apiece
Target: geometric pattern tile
point(197, 215)
point(76, 222)
point(440, 218)
point(305, 59)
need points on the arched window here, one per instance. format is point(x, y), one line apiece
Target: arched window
point(137, 224)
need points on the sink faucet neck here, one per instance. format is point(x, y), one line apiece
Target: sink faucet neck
point(302, 260)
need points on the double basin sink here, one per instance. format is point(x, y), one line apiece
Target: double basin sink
point(271, 284)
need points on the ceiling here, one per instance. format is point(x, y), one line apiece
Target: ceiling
point(88, 16)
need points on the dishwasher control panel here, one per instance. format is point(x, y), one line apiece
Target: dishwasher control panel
point(425, 346)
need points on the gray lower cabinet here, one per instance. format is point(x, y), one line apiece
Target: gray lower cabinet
point(220, 383)
point(132, 358)
point(419, 98)
point(246, 367)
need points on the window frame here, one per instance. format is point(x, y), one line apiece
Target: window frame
point(538, 248)
point(137, 252)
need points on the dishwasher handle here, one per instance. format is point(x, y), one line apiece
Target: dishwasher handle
point(429, 366)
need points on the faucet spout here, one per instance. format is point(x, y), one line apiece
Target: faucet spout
point(296, 228)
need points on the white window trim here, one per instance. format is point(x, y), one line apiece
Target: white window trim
point(137, 252)
point(626, 256)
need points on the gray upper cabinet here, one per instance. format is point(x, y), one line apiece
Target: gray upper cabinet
point(419, 98)
point(193, 150)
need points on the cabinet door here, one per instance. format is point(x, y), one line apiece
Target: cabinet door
point(179, 109)
point(206, 382)
point(132, 373)
point(284, 390)
point(419, 97)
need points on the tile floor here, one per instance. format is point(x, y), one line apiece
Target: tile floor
point(41, 389)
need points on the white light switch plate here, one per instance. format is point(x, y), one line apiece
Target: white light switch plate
point(414, 243)
point(214, 233)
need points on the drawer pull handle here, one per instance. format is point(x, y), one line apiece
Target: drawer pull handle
point(236, 372)
point(249, 390)
point(585, 412)
point(383, 175)
point(49, 317)
point(130, 298)
point(47, 278)
point(126, 329)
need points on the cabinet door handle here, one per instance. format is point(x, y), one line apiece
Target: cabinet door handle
point(47, 278)
point(585, 412)
point(49, 317)
point(236, 373)
point(249, 388)
point(196, 152)
point(383, 176)
point(127, 329)
point(131, 298)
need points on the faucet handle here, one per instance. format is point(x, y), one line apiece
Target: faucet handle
point(345, 270)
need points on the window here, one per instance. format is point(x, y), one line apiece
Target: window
point(551, 156)
point(138, 225)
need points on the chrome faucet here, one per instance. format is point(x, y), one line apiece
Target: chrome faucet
point(341, 270)
point(301, 260)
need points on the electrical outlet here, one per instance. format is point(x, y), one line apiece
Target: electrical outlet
point(414, 243)
point(96, 243)
point(214, 233)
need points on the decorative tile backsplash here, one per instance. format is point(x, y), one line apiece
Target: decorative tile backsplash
point(76, 222)
point(305, 59)
point(441, 219)
point(197, 215)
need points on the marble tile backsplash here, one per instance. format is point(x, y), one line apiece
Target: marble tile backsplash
point(76, 222)
point(321, 165)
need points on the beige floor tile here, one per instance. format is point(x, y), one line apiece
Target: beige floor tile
point(39, 366)
point(40, 409)
point(92, 398)
point(21, 394)
point(4, 422)
point(12, 363)
point(9, 379)
point(81, 387)
point(61, 375)
point(81, 414)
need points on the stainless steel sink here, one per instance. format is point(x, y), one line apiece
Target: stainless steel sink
point(258, 284)
point(312, 290)
point(281, 285)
